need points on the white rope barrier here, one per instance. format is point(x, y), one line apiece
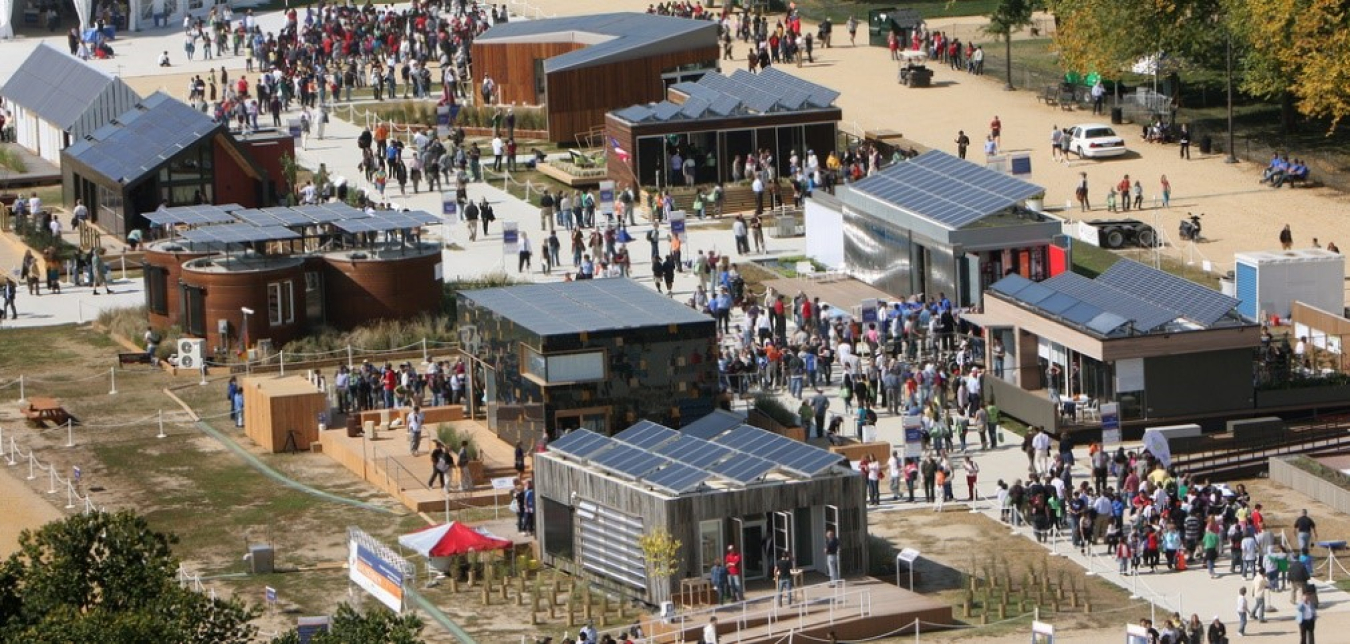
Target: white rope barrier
point(14, 455)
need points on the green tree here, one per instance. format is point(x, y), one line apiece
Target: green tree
point(1297, 53)
point(1009, 16)
point(108, 578)
point(376, 626)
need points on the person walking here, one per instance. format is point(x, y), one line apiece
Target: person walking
point(962, 143)
point(1184, 140)
point(1305, 615)
point(1298, 578)
point(832, 556)
point(9, 290)
point(440, 464)
point(1242, 609)
point(1286, 238)
point(710, 631)
point(1166, 192)
point(972, 477)
point(415, 430)
point(524, 251)
point(1306, 530)
point(1081, 192)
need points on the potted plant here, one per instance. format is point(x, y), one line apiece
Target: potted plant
point(781, 419)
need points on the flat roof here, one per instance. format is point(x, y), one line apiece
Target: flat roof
point(950, 192)
point(609, 37)
point(584, 306)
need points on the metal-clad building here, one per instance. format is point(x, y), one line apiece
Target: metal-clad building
point(60, 100)
point(596, 354)
point(581, 67)
point(743, 487)
point(934, 224)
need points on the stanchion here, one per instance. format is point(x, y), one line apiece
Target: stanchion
point(1054, 545)
point(13, 452)
point(161, 425)
point(32, 464)
point(350, 364)
point(51, 480)
point(70, 432)
point(281, 356)
point(70, 495)
point(1134, 585)
point(426, 357)
point(112, 373)
point(203, 381)
point(1091, 559)
point(22, 398)
point(975, 501)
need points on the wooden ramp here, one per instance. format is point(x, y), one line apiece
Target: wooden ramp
point(855, 610)
point(384, 461)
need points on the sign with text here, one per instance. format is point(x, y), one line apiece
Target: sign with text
point(504, 483)
point(677, 223)
point(449, 207)
point(443, 120)
point(913, 436)
point(295, 128)
point(1042, 633)
point(869, 310)
point(1110, 422)
point(607, 198)
point(380, 578)
point(510, 238)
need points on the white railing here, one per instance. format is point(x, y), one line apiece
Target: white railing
point(834, 602)
point(14, 456)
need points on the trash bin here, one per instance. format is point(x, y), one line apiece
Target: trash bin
point(1117, 116)
point(1206, 144)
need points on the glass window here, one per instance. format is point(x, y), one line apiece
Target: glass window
point(156, 289)
point(558, 531)
point(280, 303)
point(576, 367)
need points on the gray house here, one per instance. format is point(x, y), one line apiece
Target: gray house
point(59, 99)
point(709, 488)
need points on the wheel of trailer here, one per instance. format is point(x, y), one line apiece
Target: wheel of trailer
point(1113, 237)
point(1145, 238)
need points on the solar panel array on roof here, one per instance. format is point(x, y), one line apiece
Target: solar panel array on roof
point(677, 478)
point(138, 141)
point(233, 234)
point(719, 421)
point(635, 113)
point(563, 308)
point(628, 461)
point(794, 456)
point(1145, 315)
point(62, 89)
point(580, 443)
point(951, 192)
point(693, 451)
point(646, 434)
point(743, 469)
point(771, 91)
point(198, 215)
point(1194, 302)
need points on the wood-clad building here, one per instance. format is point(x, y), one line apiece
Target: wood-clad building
point(742, 488)
point(581, 67)
point(282, 413)
point(718, 118)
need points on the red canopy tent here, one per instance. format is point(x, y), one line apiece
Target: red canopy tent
point(451, 539)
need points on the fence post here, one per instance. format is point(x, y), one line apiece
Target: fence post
point(22, 399)
point(112, 373)
point(32, 464)
point(350, 365)
point(282, 356)
point(70, 432)
point(161, 433)
point(51, 480)
point(13, 452)
point(70, 495)
point(426, 357)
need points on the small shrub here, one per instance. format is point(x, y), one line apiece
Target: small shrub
point(771, 406)
point(452, 438)
point(380, 335)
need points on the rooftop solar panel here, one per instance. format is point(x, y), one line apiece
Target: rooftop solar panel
point(677, 478)
point(820, 96)
point(694, 107)
point(946, 190)
point(628, 461)
point(580, 443)
point(635, 113)
point(256, 217)
point(708, 427)
point(1143, 314)
point(742, 469)
point(1192, 301)
point(646, 434)
point(665, 110)
point(693, 451)
point(560, 308)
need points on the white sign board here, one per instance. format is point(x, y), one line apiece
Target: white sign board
point(367, 569)
point(504, 483)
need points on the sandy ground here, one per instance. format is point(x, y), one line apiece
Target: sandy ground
point(24, 509)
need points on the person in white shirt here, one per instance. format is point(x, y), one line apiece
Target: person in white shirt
point(710, 631)
point(55, 227)
point(895, 467)
point(1040, 444)
point(34, 204)
point(81, 212)
point(525, 251)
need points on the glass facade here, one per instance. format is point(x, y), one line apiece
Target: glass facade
point(536, 385)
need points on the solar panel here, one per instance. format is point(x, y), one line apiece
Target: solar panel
point(628, 461)
point(1190, 300)
point(1106, 323)
point(796, 457)
point(646, 434)
point(742, 469)
point(710, 426)
point(1011, 285)
point(693, 451)
point(198, 215)
point(580, 443)
point(256, 217)
point(694, 107)
point(1081, 313)
point(820, 96)
point(665, 110)
point(634, 114)
point(676, 478)
point(946, 190)
point(1145, 315)
point(725, 105)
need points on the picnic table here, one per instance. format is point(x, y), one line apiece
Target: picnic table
point(42, 409)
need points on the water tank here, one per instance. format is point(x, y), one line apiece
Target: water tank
point(1269, 282)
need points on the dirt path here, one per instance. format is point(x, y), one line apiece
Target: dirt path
point(24, 509)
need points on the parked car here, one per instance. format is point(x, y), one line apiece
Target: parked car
point(1092, 140)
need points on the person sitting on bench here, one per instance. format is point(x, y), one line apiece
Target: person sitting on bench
point(1297, 172)
point(1277, 167)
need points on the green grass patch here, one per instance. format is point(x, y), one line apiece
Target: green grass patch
point(1091, 261)
point(10, 160)
point(838, 12)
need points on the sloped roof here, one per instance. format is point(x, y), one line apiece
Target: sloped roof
point(563, 308)
point(609, 37)
point(140, 139)
point(771, 91)
point(948, 191)
point(61, 88)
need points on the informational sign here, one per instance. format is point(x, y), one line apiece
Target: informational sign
point(606, 198)
point(1019, 163)
point(382, 579)
point(308, 627)
point(1042, 633)
point(869, 310)
point(75, 473)
point(270, 594)
point(443, 118)
point(504, 483)
point(296, 129)
point(677, 223)
point(1136, 634)
point(510, 238)
point(1110, 423)
point(449, 207)
point(913, 436)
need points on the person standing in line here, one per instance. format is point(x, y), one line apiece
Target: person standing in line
point(1184, 140)
point(1305, 614)
point(733, 560)
point(465, 480)
point(1098, 97)
point(832, 556)
point(718, 576)
point(962, 143)
point(1306, 529)
point(1138, 194)
point(990, 146)
point(415, 430)
point(1217, 631)
point(895, 470)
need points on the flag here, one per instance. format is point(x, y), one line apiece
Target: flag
point(618, 151)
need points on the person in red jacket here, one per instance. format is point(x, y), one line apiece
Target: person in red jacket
point(733, 561)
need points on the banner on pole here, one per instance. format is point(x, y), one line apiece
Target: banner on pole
point(296, 129)
point(443, 121)
point(913, 436)
point(607, 198)
point(449, 207)
point(510, 238)
point(677, 223)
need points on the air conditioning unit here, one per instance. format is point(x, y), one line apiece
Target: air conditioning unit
point(191, 352)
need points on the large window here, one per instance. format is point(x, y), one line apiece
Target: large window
point(280, 303)
point(558, 528)
point(582, 366)
point(193, 310)
point(156, 288)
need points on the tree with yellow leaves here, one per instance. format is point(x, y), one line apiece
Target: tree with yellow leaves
point(660, 554)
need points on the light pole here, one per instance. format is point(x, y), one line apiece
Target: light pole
point(1228, 51)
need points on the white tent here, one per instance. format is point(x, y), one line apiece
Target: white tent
point(1156, 443)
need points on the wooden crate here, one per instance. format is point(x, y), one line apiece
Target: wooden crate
point(273, 407)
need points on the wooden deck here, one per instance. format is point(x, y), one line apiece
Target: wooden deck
point(383, 460)
point(837, 291)
point(581, 177)
point(860, 609)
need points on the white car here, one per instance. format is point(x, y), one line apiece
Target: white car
point(1092, 140)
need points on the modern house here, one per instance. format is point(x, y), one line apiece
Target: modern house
point(59, 99)
point(578, 68)
point(717, 118)
point(744, 487)
point(596, 354)
point(935, 224)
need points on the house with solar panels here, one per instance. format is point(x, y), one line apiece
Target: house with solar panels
point(162, 151)
point(590, 354)
point(709, 486)
point(239, 277)
point(59, 99)
point(1156, 345)
point(717, 118)
point(935, 224)
point(580, 67)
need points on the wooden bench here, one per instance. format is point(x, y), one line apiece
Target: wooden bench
point(1305, 179)
point(140, 357)
point(41, 409)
